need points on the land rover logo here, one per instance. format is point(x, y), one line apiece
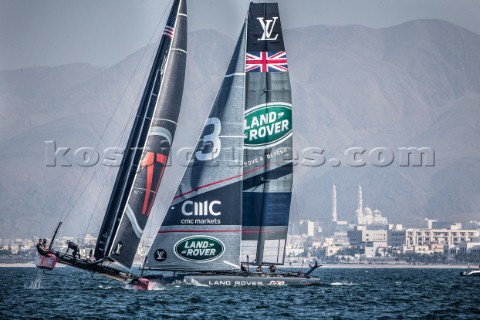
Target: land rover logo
point(199, 248)
point(267, 124)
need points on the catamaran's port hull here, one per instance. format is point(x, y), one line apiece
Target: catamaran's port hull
point(248, 281)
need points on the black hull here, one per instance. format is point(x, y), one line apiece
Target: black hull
point(100, 268)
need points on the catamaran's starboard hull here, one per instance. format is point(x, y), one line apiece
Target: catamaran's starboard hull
point(248, 281)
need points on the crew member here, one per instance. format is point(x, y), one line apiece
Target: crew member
point(243, 268)
point(272, 268)
point(42, 247)
point(72, 245)
point(259, 269)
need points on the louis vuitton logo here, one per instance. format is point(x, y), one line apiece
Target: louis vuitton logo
point(268, 26)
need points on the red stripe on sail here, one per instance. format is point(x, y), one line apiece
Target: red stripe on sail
point(261, 231)
point(226, 231)
point(163, 160)
point(149, 162)
point(220, 181)
point(197, 231)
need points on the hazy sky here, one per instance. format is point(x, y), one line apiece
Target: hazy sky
point(55, 32)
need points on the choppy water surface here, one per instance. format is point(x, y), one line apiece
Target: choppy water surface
point(345, 293)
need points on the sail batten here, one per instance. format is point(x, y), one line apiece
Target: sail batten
point(148, 146)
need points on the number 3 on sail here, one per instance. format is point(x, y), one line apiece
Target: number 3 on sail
point(210, 141)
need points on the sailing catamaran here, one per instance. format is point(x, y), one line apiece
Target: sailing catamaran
point(231, 208)
point(144, 160)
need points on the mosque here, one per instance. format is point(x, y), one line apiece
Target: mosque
point(367, 217)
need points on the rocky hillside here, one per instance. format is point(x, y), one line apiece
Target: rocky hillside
point(412, 85)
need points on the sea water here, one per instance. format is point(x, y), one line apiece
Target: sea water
point(67, 293)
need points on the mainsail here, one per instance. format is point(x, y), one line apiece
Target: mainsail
point(202, 228)
point(234, 198)
point(148, 146)
point(268, 139)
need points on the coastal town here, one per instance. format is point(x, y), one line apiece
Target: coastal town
point(367, 238)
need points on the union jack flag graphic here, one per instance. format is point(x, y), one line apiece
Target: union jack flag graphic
point(266, 62)
point(169, 32)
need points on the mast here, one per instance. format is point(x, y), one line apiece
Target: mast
point(334, 204)
point(148, 146)
point(202, 228)
point(268, 138)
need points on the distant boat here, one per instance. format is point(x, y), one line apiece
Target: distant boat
point(471, 272)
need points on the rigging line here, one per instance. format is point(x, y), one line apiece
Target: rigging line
point(109, 121)
point(294, 189)
point(124, 130)
point(296, 203)
point(119, 142)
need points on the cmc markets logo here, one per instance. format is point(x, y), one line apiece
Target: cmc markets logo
point(205, 208)
point(267, 124)
point(199, 248)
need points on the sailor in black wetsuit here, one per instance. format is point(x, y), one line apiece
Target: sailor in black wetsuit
point(272, 268)
point(42, 247)
point(72, 245)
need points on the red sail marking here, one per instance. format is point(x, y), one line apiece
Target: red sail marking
point(163, 160)
point(148, 162)
point(197, 231)
point(204, 231)
point(220, 181)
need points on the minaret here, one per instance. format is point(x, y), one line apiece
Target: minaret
point(360, 199)
point(359, 211)
point(334, 204)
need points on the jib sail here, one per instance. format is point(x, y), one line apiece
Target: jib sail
point(202, 228)
point(148, 146)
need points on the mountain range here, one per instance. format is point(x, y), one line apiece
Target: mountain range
point(412, 85)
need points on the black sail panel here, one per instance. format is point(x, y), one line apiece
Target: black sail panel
point(268, 139)
point(148, 146)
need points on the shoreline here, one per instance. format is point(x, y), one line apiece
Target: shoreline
point(305, 266)
point(394, 266)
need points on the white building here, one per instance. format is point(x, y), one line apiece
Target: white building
point(361, 235)
point(294, 246)
point(473, 247)
point(428, 240)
